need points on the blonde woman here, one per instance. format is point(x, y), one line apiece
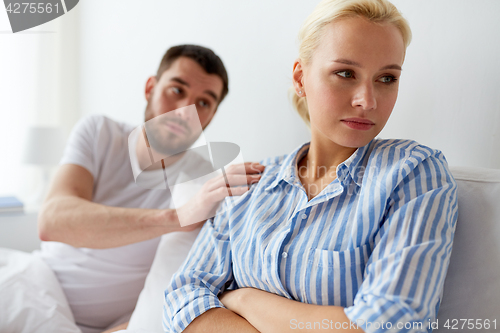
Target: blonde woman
point(348, 233)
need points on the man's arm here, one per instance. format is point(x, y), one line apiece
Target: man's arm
point(68, 214)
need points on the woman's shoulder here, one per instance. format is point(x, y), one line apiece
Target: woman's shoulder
point(275, 161)
point(276, 168)
point(403, 156)
point(402, 149)
point(403, 146)
point(275, 164)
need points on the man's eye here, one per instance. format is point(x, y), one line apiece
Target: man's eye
point(176, 90)
point(203, 104)
point(345, 74)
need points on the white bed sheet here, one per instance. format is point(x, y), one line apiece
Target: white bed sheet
point(31, 299)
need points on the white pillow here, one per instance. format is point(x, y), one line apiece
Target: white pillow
point(171, 253)
point(31, 298)
point(472, 286)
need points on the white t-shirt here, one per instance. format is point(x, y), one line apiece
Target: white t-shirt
point(102, 285)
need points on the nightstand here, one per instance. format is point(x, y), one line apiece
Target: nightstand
point(19, 231)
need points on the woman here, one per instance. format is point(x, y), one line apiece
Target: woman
point(348, 232)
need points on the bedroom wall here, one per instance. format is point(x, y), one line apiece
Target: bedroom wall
point(448, 94)
point(39, 77)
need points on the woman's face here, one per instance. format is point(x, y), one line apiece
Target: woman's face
point(351, 82)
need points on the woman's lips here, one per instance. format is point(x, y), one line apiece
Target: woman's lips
point(358, 123)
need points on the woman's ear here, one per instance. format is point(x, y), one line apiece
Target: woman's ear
point(298, 78)
point(150, 84)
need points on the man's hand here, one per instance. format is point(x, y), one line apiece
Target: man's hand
point(204, 204)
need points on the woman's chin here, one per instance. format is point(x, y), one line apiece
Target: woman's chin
point(354, 141)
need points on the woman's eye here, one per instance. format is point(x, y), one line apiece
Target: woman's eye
point(388, 79)
point(176, 90)
point(345, 74)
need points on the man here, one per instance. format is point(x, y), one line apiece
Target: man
point(100, 229)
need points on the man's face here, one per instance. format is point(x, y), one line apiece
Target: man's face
point(184, 83)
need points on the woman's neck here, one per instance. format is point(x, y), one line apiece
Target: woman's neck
point(328, 155)
point(318, 167)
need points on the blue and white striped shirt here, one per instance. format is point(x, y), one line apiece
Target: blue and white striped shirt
point(376, 241)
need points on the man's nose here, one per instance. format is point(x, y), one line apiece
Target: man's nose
point(364, 97)
point(182, 110)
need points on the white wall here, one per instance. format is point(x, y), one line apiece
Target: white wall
point(122, 44)
point(448, 95)
point(18, 79)
point(450, 91)
point(39, 79)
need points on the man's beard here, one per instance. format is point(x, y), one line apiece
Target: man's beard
point(161, 139)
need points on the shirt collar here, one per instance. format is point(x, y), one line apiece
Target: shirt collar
point(352, 168)
point(288, 169)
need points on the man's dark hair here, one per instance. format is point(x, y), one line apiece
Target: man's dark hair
point(206, 58)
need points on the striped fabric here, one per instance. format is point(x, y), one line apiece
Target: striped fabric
point(376, 241)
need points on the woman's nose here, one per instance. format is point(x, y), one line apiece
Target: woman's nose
point(364, 97)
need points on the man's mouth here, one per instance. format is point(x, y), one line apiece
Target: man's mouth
point(176, 128)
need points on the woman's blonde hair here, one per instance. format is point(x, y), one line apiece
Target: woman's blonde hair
point(328, 11)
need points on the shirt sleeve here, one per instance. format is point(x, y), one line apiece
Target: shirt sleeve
point(404, 276)
point(81, 146)
point(206, 272)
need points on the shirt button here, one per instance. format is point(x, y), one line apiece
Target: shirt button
point(284, 254)
point(304, 216)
